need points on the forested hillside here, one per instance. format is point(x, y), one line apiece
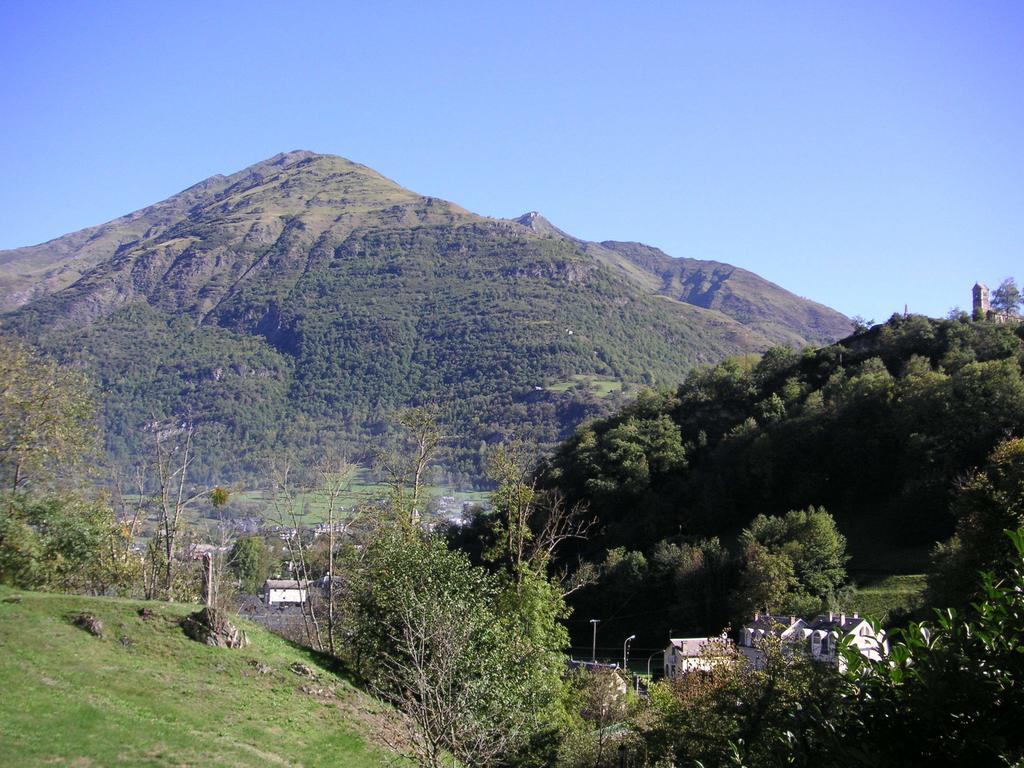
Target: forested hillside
point(879, 430)
point(297, 304)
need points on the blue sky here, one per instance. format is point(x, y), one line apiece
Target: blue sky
point(866, 155)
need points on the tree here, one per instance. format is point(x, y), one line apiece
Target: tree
point(947, 694)
point(249, 560)
point(46, 418)
point(405, 469)
point(1006, 298)
point(989, 502)
point(795, 563)
point(63, 543)
point(528, 524)
point(767, 580)
point(429, 637)
point(861, 324)
point(172, 461)
point(335, 479)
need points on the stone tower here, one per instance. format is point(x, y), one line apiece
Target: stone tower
point(981, 305)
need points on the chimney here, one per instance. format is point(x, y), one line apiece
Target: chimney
point(842, 618)
point(757, 615)
point(792, 620)
point(831, 616)
point(856, 615)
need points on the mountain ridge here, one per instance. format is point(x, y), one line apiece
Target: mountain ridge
point(322, 290)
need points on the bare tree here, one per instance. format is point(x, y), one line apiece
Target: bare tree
point(335, 480)
point(285, 501)
point(422, 437)
point(532, 523)
point(174, 495)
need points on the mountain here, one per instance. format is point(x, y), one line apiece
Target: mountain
point(301, 300)
point(756, 303)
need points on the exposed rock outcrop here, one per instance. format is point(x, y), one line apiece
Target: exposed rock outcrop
point(211, 627)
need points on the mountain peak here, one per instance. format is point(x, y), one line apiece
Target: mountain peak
point(535, 222)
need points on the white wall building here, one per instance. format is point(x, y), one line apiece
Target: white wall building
point(685, 654)
point(285, 592)
point(818, 638)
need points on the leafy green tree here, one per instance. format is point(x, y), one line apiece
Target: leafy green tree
point(1006, 298)
point(527, 526)
point(767, 581)
point(792, 563)
point(250, 561)
point(65, 544)
point(46, 418)
point(429, 633)
point(948, 692)
point(991, 501)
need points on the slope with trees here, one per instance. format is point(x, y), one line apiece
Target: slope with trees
point(878, 429)
point(299, 302)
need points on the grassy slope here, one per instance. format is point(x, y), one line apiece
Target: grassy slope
point(72, 699)
point(902, 593)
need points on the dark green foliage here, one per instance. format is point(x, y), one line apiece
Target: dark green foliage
point(792, 564)
point(876, 429)
point(298, 303)
point(251, 561)
point(948, 694)
point(987, 504)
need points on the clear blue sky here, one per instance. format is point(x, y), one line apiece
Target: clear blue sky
point(867, 155)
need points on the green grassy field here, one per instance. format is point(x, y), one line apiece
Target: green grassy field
point(160, 699)
point(881, 599)
point(310, 507)
point(600, 385)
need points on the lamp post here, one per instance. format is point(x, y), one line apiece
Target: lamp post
point(625, 650)
point(649, 661)
point(593, 649)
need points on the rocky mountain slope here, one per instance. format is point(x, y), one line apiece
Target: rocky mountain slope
point(302, 299)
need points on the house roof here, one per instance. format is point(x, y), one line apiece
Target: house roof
point(770, 623)
point(285, 584)
point(837, 621)
point(689, 646)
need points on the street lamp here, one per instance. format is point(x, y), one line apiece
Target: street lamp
point(593, 650)
point(625, 650)
point(649, 661)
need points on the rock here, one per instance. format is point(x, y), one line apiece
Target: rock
point(320, 693)
point(301, 669)
point(126, 641)
point(89, 623)
point(146, 613)
point(211, 627)
point(260, 667)
point(13, 599)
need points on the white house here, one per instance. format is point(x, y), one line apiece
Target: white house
point(685, 654)
point(824, 631)
point(818, 638)
point(285, 592)
point(789, 629)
